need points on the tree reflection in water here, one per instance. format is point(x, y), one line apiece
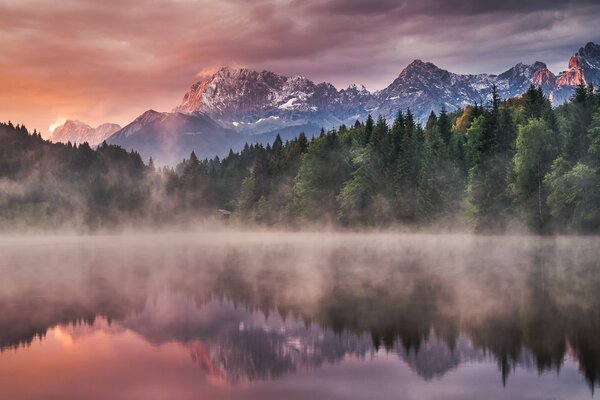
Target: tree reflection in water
point(255, 307)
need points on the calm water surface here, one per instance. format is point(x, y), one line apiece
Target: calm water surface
point(299, 316)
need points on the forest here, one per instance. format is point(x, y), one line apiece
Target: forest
point(490, 168)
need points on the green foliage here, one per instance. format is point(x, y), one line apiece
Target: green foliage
point(323, 170)
point(440, 185)
point(535, 152)
point(579, 114)
point(594, 139)
point(406, 176)
point(48, 184)
point(574, 196)
point(489, 148)
point(357, 195)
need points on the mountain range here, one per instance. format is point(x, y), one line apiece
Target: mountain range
point(235, 106)
point(79, 132)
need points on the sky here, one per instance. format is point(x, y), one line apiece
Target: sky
point(110, 60)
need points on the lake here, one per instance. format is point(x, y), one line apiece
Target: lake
point(281, 315)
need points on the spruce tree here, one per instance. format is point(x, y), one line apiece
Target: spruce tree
point(533, 159)
point(444, 126)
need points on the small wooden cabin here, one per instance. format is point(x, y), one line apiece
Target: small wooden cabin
point(225, 214)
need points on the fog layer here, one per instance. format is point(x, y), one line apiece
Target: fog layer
point(521, 300)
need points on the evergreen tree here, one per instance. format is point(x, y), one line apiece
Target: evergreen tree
point(536, 103)
point(444, 126)
point(325, 167)
point(439, 186)
point(369, 125)
point(533, 159)
point(407, 170)
point(574, 196)
point(579, 118)
point(488, 156)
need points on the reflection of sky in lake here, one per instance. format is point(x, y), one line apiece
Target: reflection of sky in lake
point(346, 320)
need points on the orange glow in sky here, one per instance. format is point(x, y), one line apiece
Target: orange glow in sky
point(110, 60)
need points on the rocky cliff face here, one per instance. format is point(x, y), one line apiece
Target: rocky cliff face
point(255, 102)
point(584, 67)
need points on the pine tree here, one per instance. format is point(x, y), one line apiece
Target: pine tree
point(368, 130)
point(277, 145)
point(444, 126)
point(579, 118)
point(535, 103)
point(439, 185)
point(302, 142)
point(488, 150)
point(407, 170)
point(431, 122)
point(533, 160)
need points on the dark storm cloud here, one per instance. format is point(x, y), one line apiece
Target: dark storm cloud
point(437, 7)
point(110, 60)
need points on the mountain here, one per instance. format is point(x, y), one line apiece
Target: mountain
point(583, 66)
point(79, 132)
point(235, 106)
point(257, 102)
point(423, 87)
point(169, 137)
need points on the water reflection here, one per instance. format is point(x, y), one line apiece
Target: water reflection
point(236, 345)
point(256, 307)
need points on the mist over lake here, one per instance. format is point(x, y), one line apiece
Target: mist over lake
point(298, 315)
point(298, 200)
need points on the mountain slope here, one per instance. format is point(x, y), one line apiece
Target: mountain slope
point(169, 137)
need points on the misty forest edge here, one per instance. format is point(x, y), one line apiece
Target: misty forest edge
point(487, 168)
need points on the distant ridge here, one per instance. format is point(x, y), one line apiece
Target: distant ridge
point(79, 132)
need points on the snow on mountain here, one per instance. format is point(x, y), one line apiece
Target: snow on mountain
point(242, 99)
point(423, 87)
point(79, 132)
point(235, 106)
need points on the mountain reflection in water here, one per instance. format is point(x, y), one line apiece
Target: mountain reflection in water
point(251, 308)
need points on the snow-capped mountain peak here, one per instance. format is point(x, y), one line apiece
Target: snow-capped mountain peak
point(584, 67)
point(75, 131)
point(247, 103)
point(239, 97)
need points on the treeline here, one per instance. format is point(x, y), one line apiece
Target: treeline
point(47, 184)
point(487, 167)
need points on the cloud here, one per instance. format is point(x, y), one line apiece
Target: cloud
point(56, 124)
point(109, 60)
